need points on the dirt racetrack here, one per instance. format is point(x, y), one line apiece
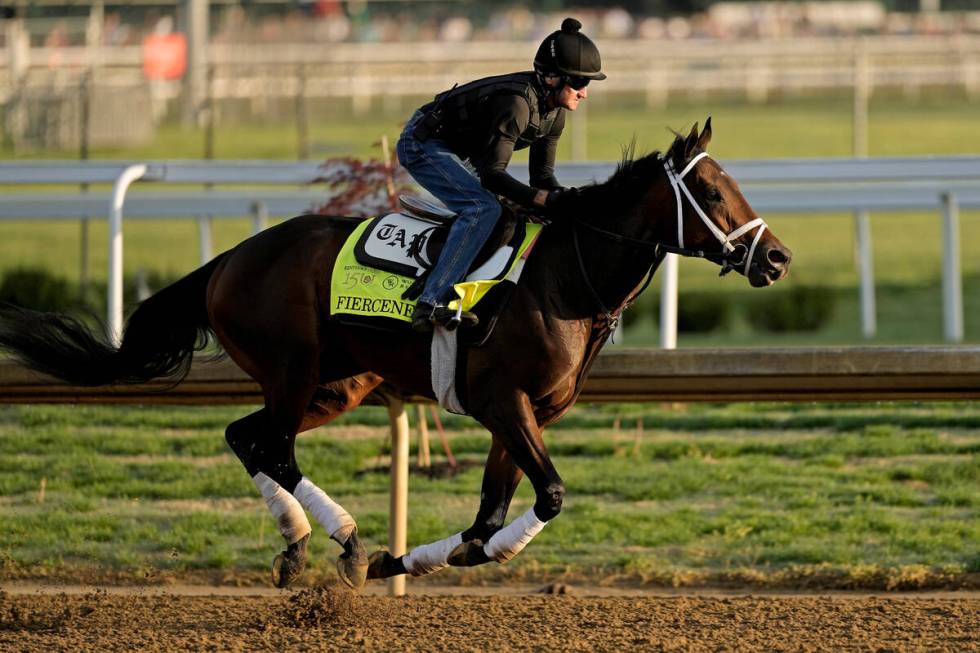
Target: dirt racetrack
point(332, 619)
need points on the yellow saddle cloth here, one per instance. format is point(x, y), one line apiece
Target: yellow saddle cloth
point(365, 284)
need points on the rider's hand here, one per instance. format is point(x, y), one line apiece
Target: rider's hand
point(560, 195)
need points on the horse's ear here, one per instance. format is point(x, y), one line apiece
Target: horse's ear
point(705, 137)
point(691, 142)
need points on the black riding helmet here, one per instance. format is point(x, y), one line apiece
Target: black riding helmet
point(570, 53)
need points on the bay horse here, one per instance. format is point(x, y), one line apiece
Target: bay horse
point(267, 302)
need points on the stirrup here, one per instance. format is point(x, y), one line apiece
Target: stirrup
point(451, 320)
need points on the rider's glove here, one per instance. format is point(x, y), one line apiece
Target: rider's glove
point(560, 196)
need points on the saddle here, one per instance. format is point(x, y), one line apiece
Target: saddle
point(409, 243)
point(423, 209)
point(382, 267)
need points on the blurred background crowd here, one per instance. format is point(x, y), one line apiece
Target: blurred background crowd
point(53, 23)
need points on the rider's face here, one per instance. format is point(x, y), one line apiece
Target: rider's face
point(569, 98)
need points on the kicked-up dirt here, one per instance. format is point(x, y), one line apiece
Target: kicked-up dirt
point(334, 619)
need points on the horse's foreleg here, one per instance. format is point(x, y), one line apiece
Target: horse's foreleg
point(500, 479)
point(513, 424)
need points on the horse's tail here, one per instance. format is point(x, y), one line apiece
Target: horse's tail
point(159, 339)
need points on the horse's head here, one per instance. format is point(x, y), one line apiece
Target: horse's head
point(714, 220)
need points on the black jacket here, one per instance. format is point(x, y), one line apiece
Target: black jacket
point(485, 121)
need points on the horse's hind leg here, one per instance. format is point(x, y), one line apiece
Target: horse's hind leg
point(266, 448)
point(330, 401)
point(244, 436)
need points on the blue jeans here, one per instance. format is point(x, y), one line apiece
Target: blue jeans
point(441, 173)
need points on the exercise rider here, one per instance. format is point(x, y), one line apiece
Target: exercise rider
point(476, 128)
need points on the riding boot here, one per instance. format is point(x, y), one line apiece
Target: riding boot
point(422, 318)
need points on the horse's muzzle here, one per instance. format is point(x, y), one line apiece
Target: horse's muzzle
point(770, 265)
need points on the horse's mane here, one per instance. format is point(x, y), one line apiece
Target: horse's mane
point(632, 176)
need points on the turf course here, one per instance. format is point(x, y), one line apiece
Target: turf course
point(771, 495)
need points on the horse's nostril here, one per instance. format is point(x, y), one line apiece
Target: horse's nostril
point(777, 257)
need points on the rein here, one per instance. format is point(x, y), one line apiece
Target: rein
point(726, 257)
point(613, 318)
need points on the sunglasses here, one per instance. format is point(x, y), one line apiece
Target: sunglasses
point(577, 83)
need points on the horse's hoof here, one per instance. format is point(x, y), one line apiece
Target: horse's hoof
point(381, 564)
point(289, 565)
point(468, 554)
point(352, 565)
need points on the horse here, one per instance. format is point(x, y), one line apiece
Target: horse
point(266, 301)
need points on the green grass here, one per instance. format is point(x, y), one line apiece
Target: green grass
point(769, 494)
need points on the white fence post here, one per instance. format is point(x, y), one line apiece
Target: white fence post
point(866, 273)
point(196, 28)
point(668, 303)
point(260, 217)
point(952, 282)
point(398, 526)
point(114, 284)
point(204, 246)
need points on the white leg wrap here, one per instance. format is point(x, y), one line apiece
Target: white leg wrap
point(289, 515)
point(432, 557)
point(334, 519)
point(511, 540)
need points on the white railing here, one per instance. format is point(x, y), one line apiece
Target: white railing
point(797, 186)
point(202, 205)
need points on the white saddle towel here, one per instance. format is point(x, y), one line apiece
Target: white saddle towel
point(444, 370)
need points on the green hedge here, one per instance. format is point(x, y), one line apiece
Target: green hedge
point(697, 311)
point(41, 290)
point(703, 312)
point(38, 289)
point(800, 308)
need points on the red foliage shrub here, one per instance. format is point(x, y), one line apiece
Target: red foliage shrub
point(362, 187)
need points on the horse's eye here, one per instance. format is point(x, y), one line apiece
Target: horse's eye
point(713, 195)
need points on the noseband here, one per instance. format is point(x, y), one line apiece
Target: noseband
point(727, 254)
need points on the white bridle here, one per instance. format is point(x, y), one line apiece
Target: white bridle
point(677, 183)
